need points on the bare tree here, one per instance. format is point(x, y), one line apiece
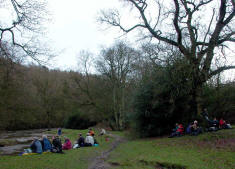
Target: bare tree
point(23, 25)
point(115, 64)
point(199, 29)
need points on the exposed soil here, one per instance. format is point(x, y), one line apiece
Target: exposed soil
point(100, 162)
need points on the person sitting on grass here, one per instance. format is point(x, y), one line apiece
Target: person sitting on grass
point(195, 129)
point(81, 140)
point(102, 132)
point(36, 146)
point(213, 124)
point(178, 131)
point(189, 128)
point(46, 144)
point(56, 145)
point(67, 144)
point(92, 133)
point(89, 141)
point(223, 124)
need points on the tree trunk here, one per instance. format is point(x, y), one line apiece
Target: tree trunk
point(197, 100)
point(115, 110)
point(48, 121)
point(122, 109)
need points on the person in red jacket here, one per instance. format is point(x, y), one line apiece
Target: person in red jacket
point(223, 124)
point(178, 131)
point(67, 145)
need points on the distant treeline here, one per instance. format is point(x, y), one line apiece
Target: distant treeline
point(129, 90)
point(36, 97)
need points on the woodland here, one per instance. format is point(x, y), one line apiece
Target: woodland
point(168, 76)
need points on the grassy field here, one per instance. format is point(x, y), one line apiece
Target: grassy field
point(71, 159)
point(215, 150)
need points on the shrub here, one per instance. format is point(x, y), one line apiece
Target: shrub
point(78, 121)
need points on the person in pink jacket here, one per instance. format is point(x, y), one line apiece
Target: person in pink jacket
point(67, 145)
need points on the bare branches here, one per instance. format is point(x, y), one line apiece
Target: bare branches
point(227, 37)
point(214, 40)
point(202, 3)
point(29, 17)
point(220, 69)
point(175, 21)
point(113, 18)
point(185, 28)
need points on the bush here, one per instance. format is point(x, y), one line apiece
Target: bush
point(157, 109)
point(163, 99)
point(78, 121)
point(219, 100)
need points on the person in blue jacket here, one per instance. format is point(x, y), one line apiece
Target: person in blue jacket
point(59, 131)
point(36, 146)
point(46, 144)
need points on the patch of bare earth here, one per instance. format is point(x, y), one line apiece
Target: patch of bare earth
point(100, 162)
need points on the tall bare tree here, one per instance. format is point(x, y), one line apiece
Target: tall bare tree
point(116, 63)
point(199, 29)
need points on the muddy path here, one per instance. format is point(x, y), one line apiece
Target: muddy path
point(100, 162)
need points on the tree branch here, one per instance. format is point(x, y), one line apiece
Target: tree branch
point(220, 69)
point(150, 29)
point(213, 42)
point(190, 28)
point(228, 37)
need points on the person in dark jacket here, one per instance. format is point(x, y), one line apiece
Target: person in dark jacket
point(36, 146)
point(189, 128)
point(56, 145)
point(81, 140)
point(213, 124)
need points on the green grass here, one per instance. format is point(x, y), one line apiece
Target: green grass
point(215, 150)
point(72, 159)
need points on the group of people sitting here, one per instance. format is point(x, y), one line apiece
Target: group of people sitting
point(194, 129)
point(45, 145)
point(55, 146)
point(215, 124)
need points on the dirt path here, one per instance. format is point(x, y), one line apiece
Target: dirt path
point(100, 161)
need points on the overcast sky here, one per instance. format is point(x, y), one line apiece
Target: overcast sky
point(74, 28)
